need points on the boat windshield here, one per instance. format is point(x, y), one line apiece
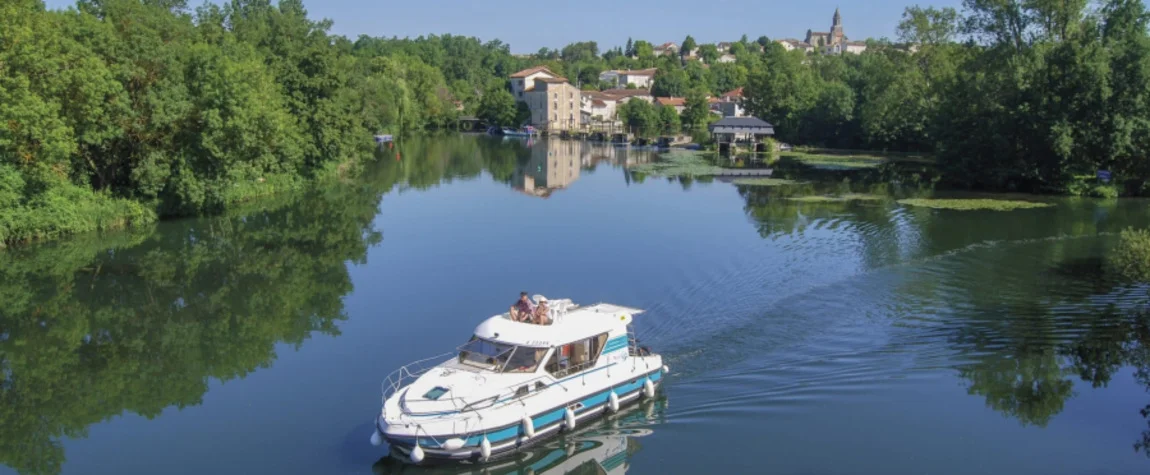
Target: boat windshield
point(484, 353)
point(501, 357)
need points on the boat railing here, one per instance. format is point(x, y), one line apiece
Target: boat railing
point(410, 372)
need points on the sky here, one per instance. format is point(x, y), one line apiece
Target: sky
point(528, 27)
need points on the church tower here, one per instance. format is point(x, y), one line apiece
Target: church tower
point(837, 35)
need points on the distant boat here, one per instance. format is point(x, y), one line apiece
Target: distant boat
point(527, 131)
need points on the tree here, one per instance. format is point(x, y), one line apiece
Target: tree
point(697, 110)
point(498, 108)
point(669, 82)
point(644, 50)
point(709, 53)
point(688, 46)
point(640, 117)
point(630, 50)
point(928, 26)
point(669, 123)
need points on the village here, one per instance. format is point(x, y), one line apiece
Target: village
point(559, 107)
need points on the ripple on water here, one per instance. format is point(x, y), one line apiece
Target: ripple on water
point(862, 333)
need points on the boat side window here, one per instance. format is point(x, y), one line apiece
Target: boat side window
point(524, 360)
point(576, 356)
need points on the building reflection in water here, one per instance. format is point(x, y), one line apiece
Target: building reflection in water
point(603, 447)
point(556, 164)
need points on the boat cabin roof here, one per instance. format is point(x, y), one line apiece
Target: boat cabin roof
point(570, 323)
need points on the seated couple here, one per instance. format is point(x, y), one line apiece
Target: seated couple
point(527, 312)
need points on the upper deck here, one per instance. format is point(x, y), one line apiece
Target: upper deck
point(570, 323)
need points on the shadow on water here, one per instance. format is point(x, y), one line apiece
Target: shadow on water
point(604, 447)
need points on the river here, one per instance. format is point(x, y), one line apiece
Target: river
point(854, 337)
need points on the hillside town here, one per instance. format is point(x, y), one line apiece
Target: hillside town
point(559, 105)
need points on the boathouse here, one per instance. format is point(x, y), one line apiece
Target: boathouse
point(728, 132)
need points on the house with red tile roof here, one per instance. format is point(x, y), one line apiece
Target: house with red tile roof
point(524, 81)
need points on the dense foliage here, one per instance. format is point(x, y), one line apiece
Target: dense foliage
point(1039, 97)
point(121, 111)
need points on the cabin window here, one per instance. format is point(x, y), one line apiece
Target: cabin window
point(435, 393)
point(524, 360)
point(576, 356)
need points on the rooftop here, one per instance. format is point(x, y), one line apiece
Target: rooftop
point(620, 93)
point(671, 101)
point(529, 71)
point(735, 94)
point(742, 125)
point(638, 72)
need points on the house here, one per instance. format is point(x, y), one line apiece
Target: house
point(668, 49)
point(723, 47)
point(624, 95)
point(554, 104)
point(679, 103)
point(599, 107)
point(640, 78)
point(523, 81)
point(792, 44)
point(729, 104)
point(726, 58)
point(729, 131)
point(851, 47)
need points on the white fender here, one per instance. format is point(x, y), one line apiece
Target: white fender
point(416, 453)
point(666, 370)
point(376, 438)
point(452, 444)
point(649, 388)
point(613, 402)
point(485, 448)
point(569, 419)
point(528, 427)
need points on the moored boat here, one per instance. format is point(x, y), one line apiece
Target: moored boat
point(515, 384)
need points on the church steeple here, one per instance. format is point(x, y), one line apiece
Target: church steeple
point(837, 36)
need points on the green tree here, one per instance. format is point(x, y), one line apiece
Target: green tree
point(697, 110)
point(687, 47)
point(709, 53)
point(669, 122)
point(498, 108)
point(670, 81)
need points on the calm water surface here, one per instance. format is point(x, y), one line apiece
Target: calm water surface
point(848, 338)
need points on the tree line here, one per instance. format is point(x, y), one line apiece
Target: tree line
point(124, 111)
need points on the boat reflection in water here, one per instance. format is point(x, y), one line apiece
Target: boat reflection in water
point(604, 447)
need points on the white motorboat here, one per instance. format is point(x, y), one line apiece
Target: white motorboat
point(515, 384)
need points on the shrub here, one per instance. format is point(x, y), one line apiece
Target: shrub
point(1131, 257)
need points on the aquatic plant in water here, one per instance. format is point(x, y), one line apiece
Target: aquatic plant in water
point(763, 181)
point(973, 204)
point(679, 163)
point(836, 199)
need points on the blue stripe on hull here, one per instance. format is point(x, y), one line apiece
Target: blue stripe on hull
point(542, 421)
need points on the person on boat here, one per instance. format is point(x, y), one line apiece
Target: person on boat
point(542, 312)
point(523, 310)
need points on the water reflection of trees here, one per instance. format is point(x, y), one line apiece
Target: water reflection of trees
point(94, 327)
point(1031, 315)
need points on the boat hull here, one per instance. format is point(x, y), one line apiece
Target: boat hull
point(548, 424)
